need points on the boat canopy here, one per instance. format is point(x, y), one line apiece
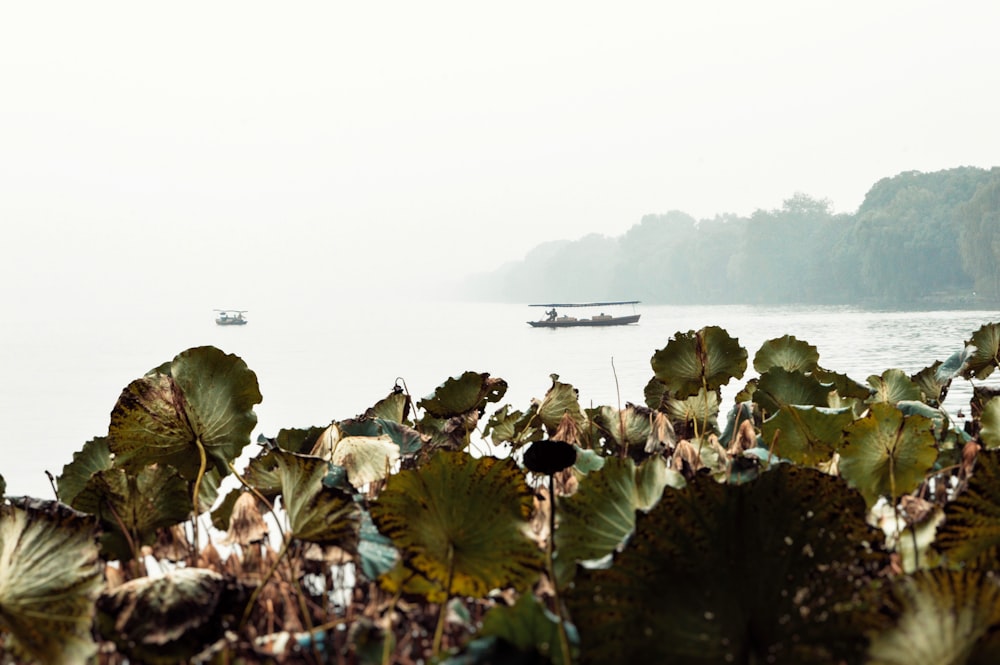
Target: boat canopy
point(586, 304)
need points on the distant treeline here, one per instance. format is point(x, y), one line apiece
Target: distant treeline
point(917, 239)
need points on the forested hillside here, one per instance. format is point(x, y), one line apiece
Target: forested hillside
point(917, 239)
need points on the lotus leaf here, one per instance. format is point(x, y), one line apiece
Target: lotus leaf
point(989, 432)
point(469, 392)
point(407, 439)
point(971, 529)
point(560, 400)
point(598, 518)
point(778, 387)
point(205, 402)
point(847, 388)
point(316, 513)
point(262, 474)
point(3, 487)
point(933, 388)
point(887, 453)
point(627, 429)
point(133, 506)
point(714, 573)
point(588, 460)
point(461, 522)
point(50, 576)
point(940, 616)
point(656, 394)
point(376, 554)
point(527, 625)
point(366, 458)
point(93, 457)
point(982, 352)
point(893, 386)
point(700, 409)
point(222, 514)
point(788, 353)
point(395, 407)
point(296, 440)
point(549, 456)
point(806, 434)
point(168, 619)
point(706, 359)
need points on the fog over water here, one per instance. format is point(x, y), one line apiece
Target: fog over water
point(335, 168)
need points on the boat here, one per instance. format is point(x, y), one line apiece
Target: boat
point(555, 320)
point(230, 317)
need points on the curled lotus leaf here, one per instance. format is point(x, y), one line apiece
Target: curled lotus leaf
point(95, 456)
point(705, 359)
point(939, 616)
point(168, 619)
point(787, 352)
point(893, 386)
point(764, 571)
point(971, 530)
point(461, 523)
point(989, 432)
point(932, 384)
point(50, 576)
point(561, 400)
point(983, 352)
point(777, 387)
point(202, 402)
point(627, 429)
point(460, 395)
point(316, 513)
point(701, 408)
point(847, 389)
point(887, 453)
point(655, 394)
point(395, 407)
point(805, 434)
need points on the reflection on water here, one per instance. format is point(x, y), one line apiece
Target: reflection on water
point(331, 362)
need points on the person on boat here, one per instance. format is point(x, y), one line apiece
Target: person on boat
point(552, 314)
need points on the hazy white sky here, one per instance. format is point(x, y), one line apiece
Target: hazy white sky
point(226, 149)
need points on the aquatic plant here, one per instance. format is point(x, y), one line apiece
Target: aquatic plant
point(824, 519)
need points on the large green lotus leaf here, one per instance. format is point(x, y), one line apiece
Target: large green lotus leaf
point(887, 453)
point(93, 457)
point(989, 421)
point(777, 387)
point(938, 616)
point(366, 458)
point(984, 354)
point(168, 619)
point(316, 513)
point(893, 386)
point(207, 397)
point(153, 498)
point(758, 572)
point(561, 399)
point(527, 625)
point(50, 576)
point(805, 434)
point(705, 359)
point(932, 385)
point(971, 529)
point(459, 395)
point(462, 519)
point(600, 515)
point(788, 353)
point(946, 432)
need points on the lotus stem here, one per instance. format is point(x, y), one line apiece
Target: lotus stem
point(563, 637)
point(443, 613)
point(263, 582)
point(203, 464)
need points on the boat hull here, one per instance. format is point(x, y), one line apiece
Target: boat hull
point(587, 323)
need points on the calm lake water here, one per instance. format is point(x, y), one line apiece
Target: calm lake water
point(332, 362)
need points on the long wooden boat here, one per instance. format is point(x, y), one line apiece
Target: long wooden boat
point(554, 320)
point(230, 317)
